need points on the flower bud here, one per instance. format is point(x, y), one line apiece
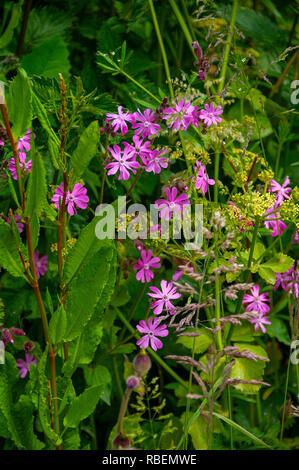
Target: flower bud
point(132, 382)
point(28, 346)
point(139, 244)
point(142, 364)
point(17, 332)
point(121, 442)
point(7, 336)
point(295, 239)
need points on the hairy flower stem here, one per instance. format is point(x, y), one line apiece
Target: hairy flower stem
point(34, 281)
point(4, 113)
point(104, 171)
point(123, 409)
point(183, 25)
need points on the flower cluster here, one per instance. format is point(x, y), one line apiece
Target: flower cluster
point(23, 147)
point(257, 303)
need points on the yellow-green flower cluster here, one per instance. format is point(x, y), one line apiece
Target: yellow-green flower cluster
point(253, 204)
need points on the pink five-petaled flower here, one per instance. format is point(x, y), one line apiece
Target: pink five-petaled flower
point(24, 142)
point(282, 278)
point(143, 123)
point(210, 115)
point(156, 161)
point(172, 205)
point(75, 198)
point(180, 115)
point(124, 161)
point(119, 120)
point(24, 166)
point(25, 366)
point(139, 148)
point(152, 330)
point(144, 266)
point(41, 264)
point(277, 225)
point(282, 191)
point(163, 296)
point(202, 178)
point(256, 301)
point(259, 321)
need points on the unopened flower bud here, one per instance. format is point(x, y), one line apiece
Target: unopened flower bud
point(17, 332)
point(7, 336)
point(142, 364)
point(132, 382)
point(139, 244)
point(28, 346)
point(295, 239)
point(121, 442)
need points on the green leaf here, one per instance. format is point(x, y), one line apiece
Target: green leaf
point(249, 370)
point(280, 263)
point(85, 292)
point(37, 187)
point(35, 228)
point(200, 343)
point(57, 325)
point(16, 14)
point(86, 149)
point(85, 247)
point(83, 406)
point(241, 429)
point(19, 101)
point(100, 375)
point(267, 274)
point(48, 58)
point(9, 255)
point(279, 330)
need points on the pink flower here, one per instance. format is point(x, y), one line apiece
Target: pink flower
point(144, 265)
point(119, 120)
point(276, 225)
point(282, 191)
point(201, 74)
point(24, 142)
point(2, 143)
point(259, 321)
point(202, 178)
point(293, 286)
point(282, 278)
point(256, 301)
point(152, 330)
point(139, 148)
point(41, 264)
point(25, 366)
point(77, 198)
point(156, 161)
point(17, 218)
point(25, 166)
point(180, 272)
point(163, 296)
point(124, 161)
point(143, 123)
point(180, 115)
point(173, 204)
point(210, 115)
point(6, 334)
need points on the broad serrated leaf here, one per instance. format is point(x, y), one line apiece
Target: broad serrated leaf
point(83, 406)
point(37, 187)
point(9, 255)
point(86, 245)
point(200, 343)
point(86, 290)
point(86, 149)
point(19, 104)
point(280, 263)
point(16, 13)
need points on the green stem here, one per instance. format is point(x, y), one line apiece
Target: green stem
point(161, 44)
point(285, 399)
point(182, 24)
point(228, 46)
point(139, 85)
